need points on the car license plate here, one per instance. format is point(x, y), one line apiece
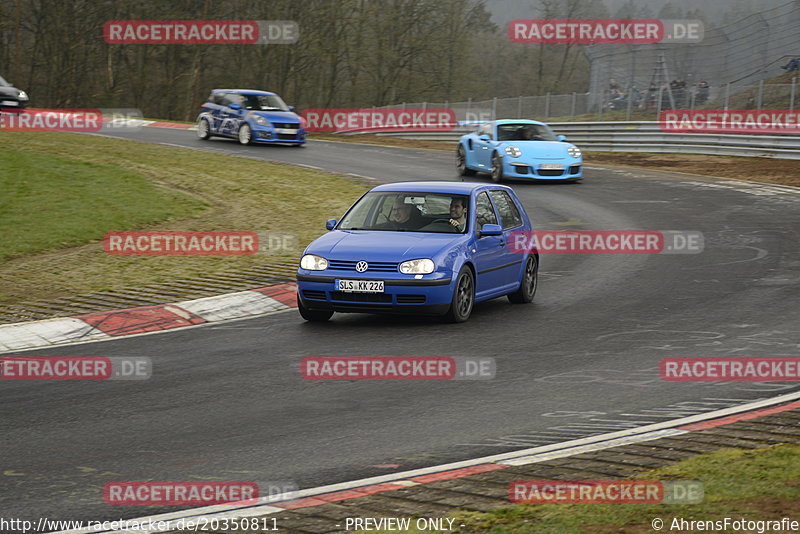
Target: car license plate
point(9, 103)
point(551, 166)
point(285, 130)
point(360, 286)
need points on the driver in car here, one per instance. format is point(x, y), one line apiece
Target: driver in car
point(458, 213)
point(402, 215)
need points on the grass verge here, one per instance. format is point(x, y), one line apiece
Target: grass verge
point(63, 192)
point(768, 170)
point(761, 484)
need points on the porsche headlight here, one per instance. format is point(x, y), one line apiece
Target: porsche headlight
point(513, 151)
point(23, 95)
point(261, 121)
point(423, 266)
point(310, 262)
point(574, 151)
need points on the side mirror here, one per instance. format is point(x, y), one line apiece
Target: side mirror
point(484, 137)
point(291, 108)
point(235, 106)
point(331, 224)
point(561, 137)
point(491, 229)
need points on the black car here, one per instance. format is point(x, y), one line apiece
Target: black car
point(11, 97)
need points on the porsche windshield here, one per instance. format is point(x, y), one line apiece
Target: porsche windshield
point(524, 132)
point(408, 212)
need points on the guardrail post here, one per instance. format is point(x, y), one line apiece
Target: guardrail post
point(760, 93)
point(727, 96)
point(574, 99)
point(793, 93)
point(494, 108)
point(547, 105)
point(469, 107)
point(630, 103)
point(404, 105)
point(424, 106)
point(519, 107)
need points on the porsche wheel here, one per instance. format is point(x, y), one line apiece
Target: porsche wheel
point(497, 168)
point(530, 280)
point(463, 297)
point(245, 134)
point(203, 129)
point(461, 162)
point(314, 316)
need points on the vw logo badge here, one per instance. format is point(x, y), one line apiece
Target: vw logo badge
point(361, 266)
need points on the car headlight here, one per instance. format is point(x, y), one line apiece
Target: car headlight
point(261, 121)
point(574, 151)
point(513, 151)
point(23, 95)
point(310, 262)
point(423, 266)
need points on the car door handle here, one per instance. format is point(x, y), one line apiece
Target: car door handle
point(502, 243)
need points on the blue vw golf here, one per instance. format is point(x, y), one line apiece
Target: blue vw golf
point(516, 148)
point(251, 117)
point(432, 248)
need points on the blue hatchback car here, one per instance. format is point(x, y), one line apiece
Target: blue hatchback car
point(433, 248)
point(251, 117)
point(516, 148)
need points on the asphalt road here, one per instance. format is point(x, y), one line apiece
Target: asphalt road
point(227, 402)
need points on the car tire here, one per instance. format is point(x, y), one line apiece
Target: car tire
point(463, 297)
point(315, 316)
point(245, 135)
point(461, 162)
point(529, 283)
point(203, 129)
point(497, 168)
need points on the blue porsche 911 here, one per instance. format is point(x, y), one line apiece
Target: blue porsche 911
point(251, 117)
point(516, 148)
point(433, 248)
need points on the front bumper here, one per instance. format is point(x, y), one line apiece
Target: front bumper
point(520, 169)
point(427, 296)
point(268, 135)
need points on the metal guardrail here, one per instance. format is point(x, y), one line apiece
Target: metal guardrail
point(647, 137)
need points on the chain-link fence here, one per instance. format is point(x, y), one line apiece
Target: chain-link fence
point(627, 104)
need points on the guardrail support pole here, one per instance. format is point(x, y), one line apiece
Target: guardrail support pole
point(727, 96)
point(424, 106)
point(574, 97)
point(519, 107)
point(494, 108)
point(547, 105)
point(760, 93)
point(793, 93)
point(630, 103)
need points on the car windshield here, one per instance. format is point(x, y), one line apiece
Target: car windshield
point(264, 103)
point(525, 132)
point(408, 211)
point(4, 83)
